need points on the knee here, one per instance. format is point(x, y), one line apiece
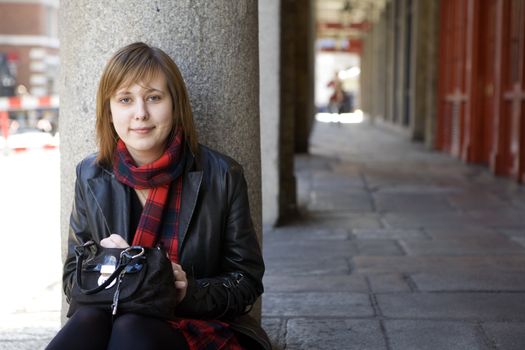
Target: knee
point(127, 323)
point(91, 315)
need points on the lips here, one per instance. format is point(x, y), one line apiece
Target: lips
point(142, 130)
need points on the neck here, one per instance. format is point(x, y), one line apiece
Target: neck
point(143, 195)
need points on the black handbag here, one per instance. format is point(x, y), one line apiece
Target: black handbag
point(135, 279)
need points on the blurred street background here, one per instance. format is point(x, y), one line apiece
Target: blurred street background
point(29, 247)
point(391, 159)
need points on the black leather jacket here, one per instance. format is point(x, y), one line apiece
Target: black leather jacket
point(218, 247)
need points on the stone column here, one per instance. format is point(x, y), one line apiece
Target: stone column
point(420, 40)
point(214, 43)
point(379, 72)
point(366, 76)
point(390, 60)
point(432, 72)
point(288, 107)
point(304, 73)
point(269, 63)
point(400, 61)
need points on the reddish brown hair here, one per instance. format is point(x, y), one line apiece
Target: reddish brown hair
point(139, 63)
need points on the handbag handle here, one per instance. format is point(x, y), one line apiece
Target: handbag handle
point(126, 257)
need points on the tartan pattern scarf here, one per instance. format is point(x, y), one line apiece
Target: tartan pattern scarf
point(159, 223)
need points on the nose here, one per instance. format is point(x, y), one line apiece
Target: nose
point(141, 112)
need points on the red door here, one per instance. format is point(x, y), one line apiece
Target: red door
point(452, 96)
point(479, 114)
point(509, 151)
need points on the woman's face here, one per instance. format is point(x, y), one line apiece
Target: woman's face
point(142, 115)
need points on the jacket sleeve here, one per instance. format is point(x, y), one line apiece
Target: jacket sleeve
point(79, 233)
point(239, 284)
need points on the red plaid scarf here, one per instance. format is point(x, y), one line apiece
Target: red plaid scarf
point(159, 223)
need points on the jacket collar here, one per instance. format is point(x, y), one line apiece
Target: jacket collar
point(191, 185)
point(107, 190)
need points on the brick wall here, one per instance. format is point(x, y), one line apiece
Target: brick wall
point(22, 19)
point(25, 29)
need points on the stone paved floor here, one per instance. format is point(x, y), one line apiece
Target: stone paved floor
point(395, 248)
point(30, 260)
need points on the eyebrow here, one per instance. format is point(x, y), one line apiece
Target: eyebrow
point(148, 90)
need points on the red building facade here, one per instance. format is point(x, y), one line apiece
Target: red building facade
point(472, 95)
point(29, 40)
point(481, 83)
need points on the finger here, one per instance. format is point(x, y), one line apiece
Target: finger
point(119, 241)
point(180, 284)
point(180, 275)
point(108, 243)
point(178, 270)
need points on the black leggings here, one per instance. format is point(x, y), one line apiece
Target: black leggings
point(93, 329)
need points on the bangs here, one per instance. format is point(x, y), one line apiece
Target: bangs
point(139, 73)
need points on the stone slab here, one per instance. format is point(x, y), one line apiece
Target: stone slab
point(395, 180)
point(334, 334)
point(458, 306)
point(518, 201)
point(411, 203)
point(30, 321)
point(351, 202)
point(385, 233)
point(428, 220)
point(337, 180)
point(276, 330)
point(347, 168)
point(517, 232)
point(27, 344)
point(382, 247)
point(344, 220)
point(470, 280)
point(519, 240)
point(509, 218)
point(433, 335)
point(505, 335)
point(310, 162)
point(388, 282)
point(315, 283)
point(413, 264)
point(310, 249)
point(478, 200)
point(333, 304)
point(471, 232)
point(295, 233)
point(516, 235)
point(463, 246)
point(307, 266)
point(416, 190)
point(26, 338)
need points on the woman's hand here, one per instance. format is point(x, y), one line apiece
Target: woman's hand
point(114, 241)
point(181, 282)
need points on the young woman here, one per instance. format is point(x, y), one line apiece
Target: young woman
point(150, 183)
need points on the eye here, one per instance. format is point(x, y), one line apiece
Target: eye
point(124, 100)
point(154, 98)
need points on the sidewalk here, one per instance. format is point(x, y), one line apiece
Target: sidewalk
point(396, 248)
point(31, 259)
